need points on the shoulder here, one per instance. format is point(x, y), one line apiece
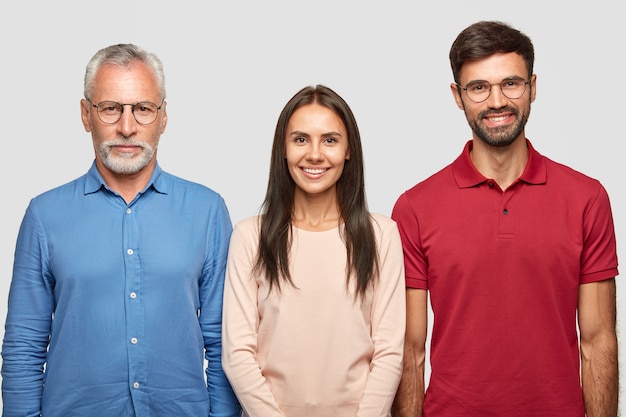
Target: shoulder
point(60, 194)
point(572, 183)
point(382, 221)
point(568, 173)
point(558, 174)
point(249, 223)
point(387, 235)
point(248, 228)
point(427, 193)
point(191, 193)
point(384, 225)
point(179, 184)
point(196, 201)
point(246, 233)
point(438, 182)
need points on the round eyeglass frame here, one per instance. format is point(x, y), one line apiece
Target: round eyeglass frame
point(122, 105)
point(525, 83)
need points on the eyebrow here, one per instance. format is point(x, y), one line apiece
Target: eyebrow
point(300, 133)
point(511, 77)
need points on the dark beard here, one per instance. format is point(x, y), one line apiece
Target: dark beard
point(502, 136)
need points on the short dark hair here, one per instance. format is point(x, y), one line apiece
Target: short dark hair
point(485, 38)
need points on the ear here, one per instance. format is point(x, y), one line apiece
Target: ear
point(533, 87)
point(347, 155)
point(84, 114)
point(456, 94)
point(164, 117)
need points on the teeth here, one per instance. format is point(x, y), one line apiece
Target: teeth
point(314, 171)
point(497, 119)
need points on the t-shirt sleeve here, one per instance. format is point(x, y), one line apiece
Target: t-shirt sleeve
point(598, 260)
point(416, 267)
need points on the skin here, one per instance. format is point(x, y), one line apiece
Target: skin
point(125, 151)
point(598, 348)
point(500, 152)
point(409, 400)
point(316, 152)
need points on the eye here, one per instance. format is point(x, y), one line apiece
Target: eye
point(512, 84)
point(330, 139)
point(145, 108)
point(299, 139)
point(109, 107)
point(478, 87)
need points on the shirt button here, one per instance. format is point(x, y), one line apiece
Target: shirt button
point(505, 211)
point(129, 251)
point(128, 210)
point(133, 340)
point(133, 295)
point(490, 185)
point(136, 385)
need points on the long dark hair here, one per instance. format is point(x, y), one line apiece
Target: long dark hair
point(277, 208)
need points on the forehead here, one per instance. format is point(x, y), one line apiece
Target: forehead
point(125, 84)
point(494, 68)
point(311, 116)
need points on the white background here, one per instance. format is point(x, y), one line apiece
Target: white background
point(231, 66)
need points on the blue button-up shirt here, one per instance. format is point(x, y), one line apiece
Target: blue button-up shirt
point(114, 307)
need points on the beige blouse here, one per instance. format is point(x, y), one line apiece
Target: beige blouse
point(312, 350)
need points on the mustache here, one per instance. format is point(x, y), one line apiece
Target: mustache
point(125, 142)
point(492, 112)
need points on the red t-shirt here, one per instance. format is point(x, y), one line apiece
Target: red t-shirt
point(503, 271)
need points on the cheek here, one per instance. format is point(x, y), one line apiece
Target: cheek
point(471, 112)
point(293, 154)
point(98, 133)
point(290, 161)
point(340, 154)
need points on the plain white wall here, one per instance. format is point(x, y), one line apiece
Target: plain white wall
point(231, 66)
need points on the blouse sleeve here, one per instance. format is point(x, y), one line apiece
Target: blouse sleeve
point(388, 324)
point(240, 325)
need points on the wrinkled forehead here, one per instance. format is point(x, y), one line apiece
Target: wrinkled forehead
point(125, 84)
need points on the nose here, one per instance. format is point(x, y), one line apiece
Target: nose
point(315, 152)
point(497, 99)
point(127, 124)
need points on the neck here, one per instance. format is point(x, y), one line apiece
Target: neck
point(315, 213)
point(504, 165)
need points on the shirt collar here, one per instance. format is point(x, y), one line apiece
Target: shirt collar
point(95, 182)
point(466, 175)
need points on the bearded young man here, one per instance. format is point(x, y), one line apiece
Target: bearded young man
point(518, 255)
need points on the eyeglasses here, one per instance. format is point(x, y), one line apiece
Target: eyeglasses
point(110, 112)
point(479, 91)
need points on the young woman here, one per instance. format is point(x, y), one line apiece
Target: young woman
point(314, 302)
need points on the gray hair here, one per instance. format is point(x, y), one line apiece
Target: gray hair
point(123, 55)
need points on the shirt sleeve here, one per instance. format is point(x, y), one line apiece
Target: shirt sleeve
point(388, 325)
point(28, 323)
point(241, 322)
point(222, 399)
point(599, 255)
point(415, 263)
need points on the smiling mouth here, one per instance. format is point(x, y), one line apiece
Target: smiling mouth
point(314, 171)
point(497, 118)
